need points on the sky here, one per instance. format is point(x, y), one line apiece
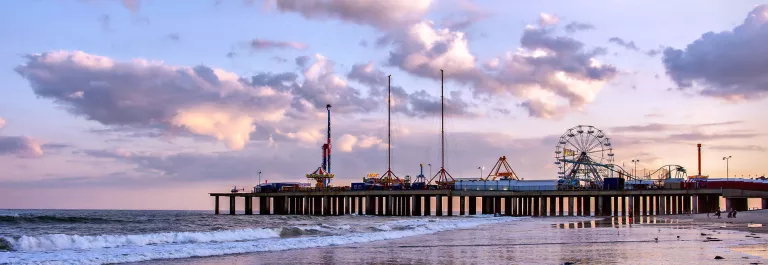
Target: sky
point(149, 104)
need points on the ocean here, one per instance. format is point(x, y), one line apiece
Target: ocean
point(200, 237)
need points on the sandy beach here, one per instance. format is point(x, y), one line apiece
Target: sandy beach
point(747, 221)
point(577, 240)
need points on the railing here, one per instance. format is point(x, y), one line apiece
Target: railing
point(685, 185)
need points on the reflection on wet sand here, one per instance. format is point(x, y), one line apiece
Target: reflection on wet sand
point(617, 222)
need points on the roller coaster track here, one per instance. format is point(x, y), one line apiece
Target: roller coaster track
point(657, 175)
point(672, 171)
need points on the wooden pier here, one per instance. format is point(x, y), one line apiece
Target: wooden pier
point(508, 203)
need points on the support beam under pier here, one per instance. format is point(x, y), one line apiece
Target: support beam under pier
point(472, 205)
point(216, 206)
point(232, 205)
point(439, 205)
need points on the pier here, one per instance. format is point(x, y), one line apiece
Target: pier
point(508, 203)
point(589, 183)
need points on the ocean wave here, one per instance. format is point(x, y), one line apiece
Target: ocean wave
point(61, 242)
point(17, 219)
point(5, 245)
point(299, 231)
point(321, 229)
point(174, 251)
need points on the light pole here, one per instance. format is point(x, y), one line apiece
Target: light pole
point(727, 166)
point(635, 161)
point(259, 178)
point(430, 170)
point(481, 172)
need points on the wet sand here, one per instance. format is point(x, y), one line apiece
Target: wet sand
point(534, 241)
point(755, 223)
point(747, 221)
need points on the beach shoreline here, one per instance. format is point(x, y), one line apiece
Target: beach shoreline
point(547, 240)
point(748, 221)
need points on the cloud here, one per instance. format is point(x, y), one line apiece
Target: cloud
point(683, 138)
point(629, 45)
point(367, 74)
point(2, 122)
point(132, 5)
point(575, 26)
point(173, 36)
point(502, 111)
point(21, 146)
point(654, 115)
point(698, 136)
point(107, 153)
point(545, 72)
point(302, 61)
point(755, 148)
point(654, 52)
point(422, 104)
point(144, 94)
point(347, 142)
point(646, 161)
point(421, 49)
point(323, 86)
point(730, 65)
point(548, 19)
point(262, 44)
point(104, 20)
point(55, 146)
point(468, 14)
point(379, 14)
point(662, 127)
point(417, 104)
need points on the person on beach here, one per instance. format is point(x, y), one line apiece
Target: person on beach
point(630, 219)
point(717, 213)
point(734, 213)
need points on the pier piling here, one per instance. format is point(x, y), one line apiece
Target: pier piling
point(216, 206)
point(231, 205)
point(509, 203)
point(438, 205)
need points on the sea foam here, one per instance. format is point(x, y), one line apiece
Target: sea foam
point(61, 241)
point(206, 246)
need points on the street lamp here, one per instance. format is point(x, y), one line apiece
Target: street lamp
point(481, 172)
point(635, 161)
point(727, 166)
point(430, 169)
point(259, 177)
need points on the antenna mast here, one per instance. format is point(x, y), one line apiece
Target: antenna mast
point(389, 178)
point(442, 176)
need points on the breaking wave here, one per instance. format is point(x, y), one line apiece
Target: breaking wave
point(60, 241)
point(116, 249)
point(5, 245)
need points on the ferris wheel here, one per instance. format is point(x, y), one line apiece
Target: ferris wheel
point(583, 155)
